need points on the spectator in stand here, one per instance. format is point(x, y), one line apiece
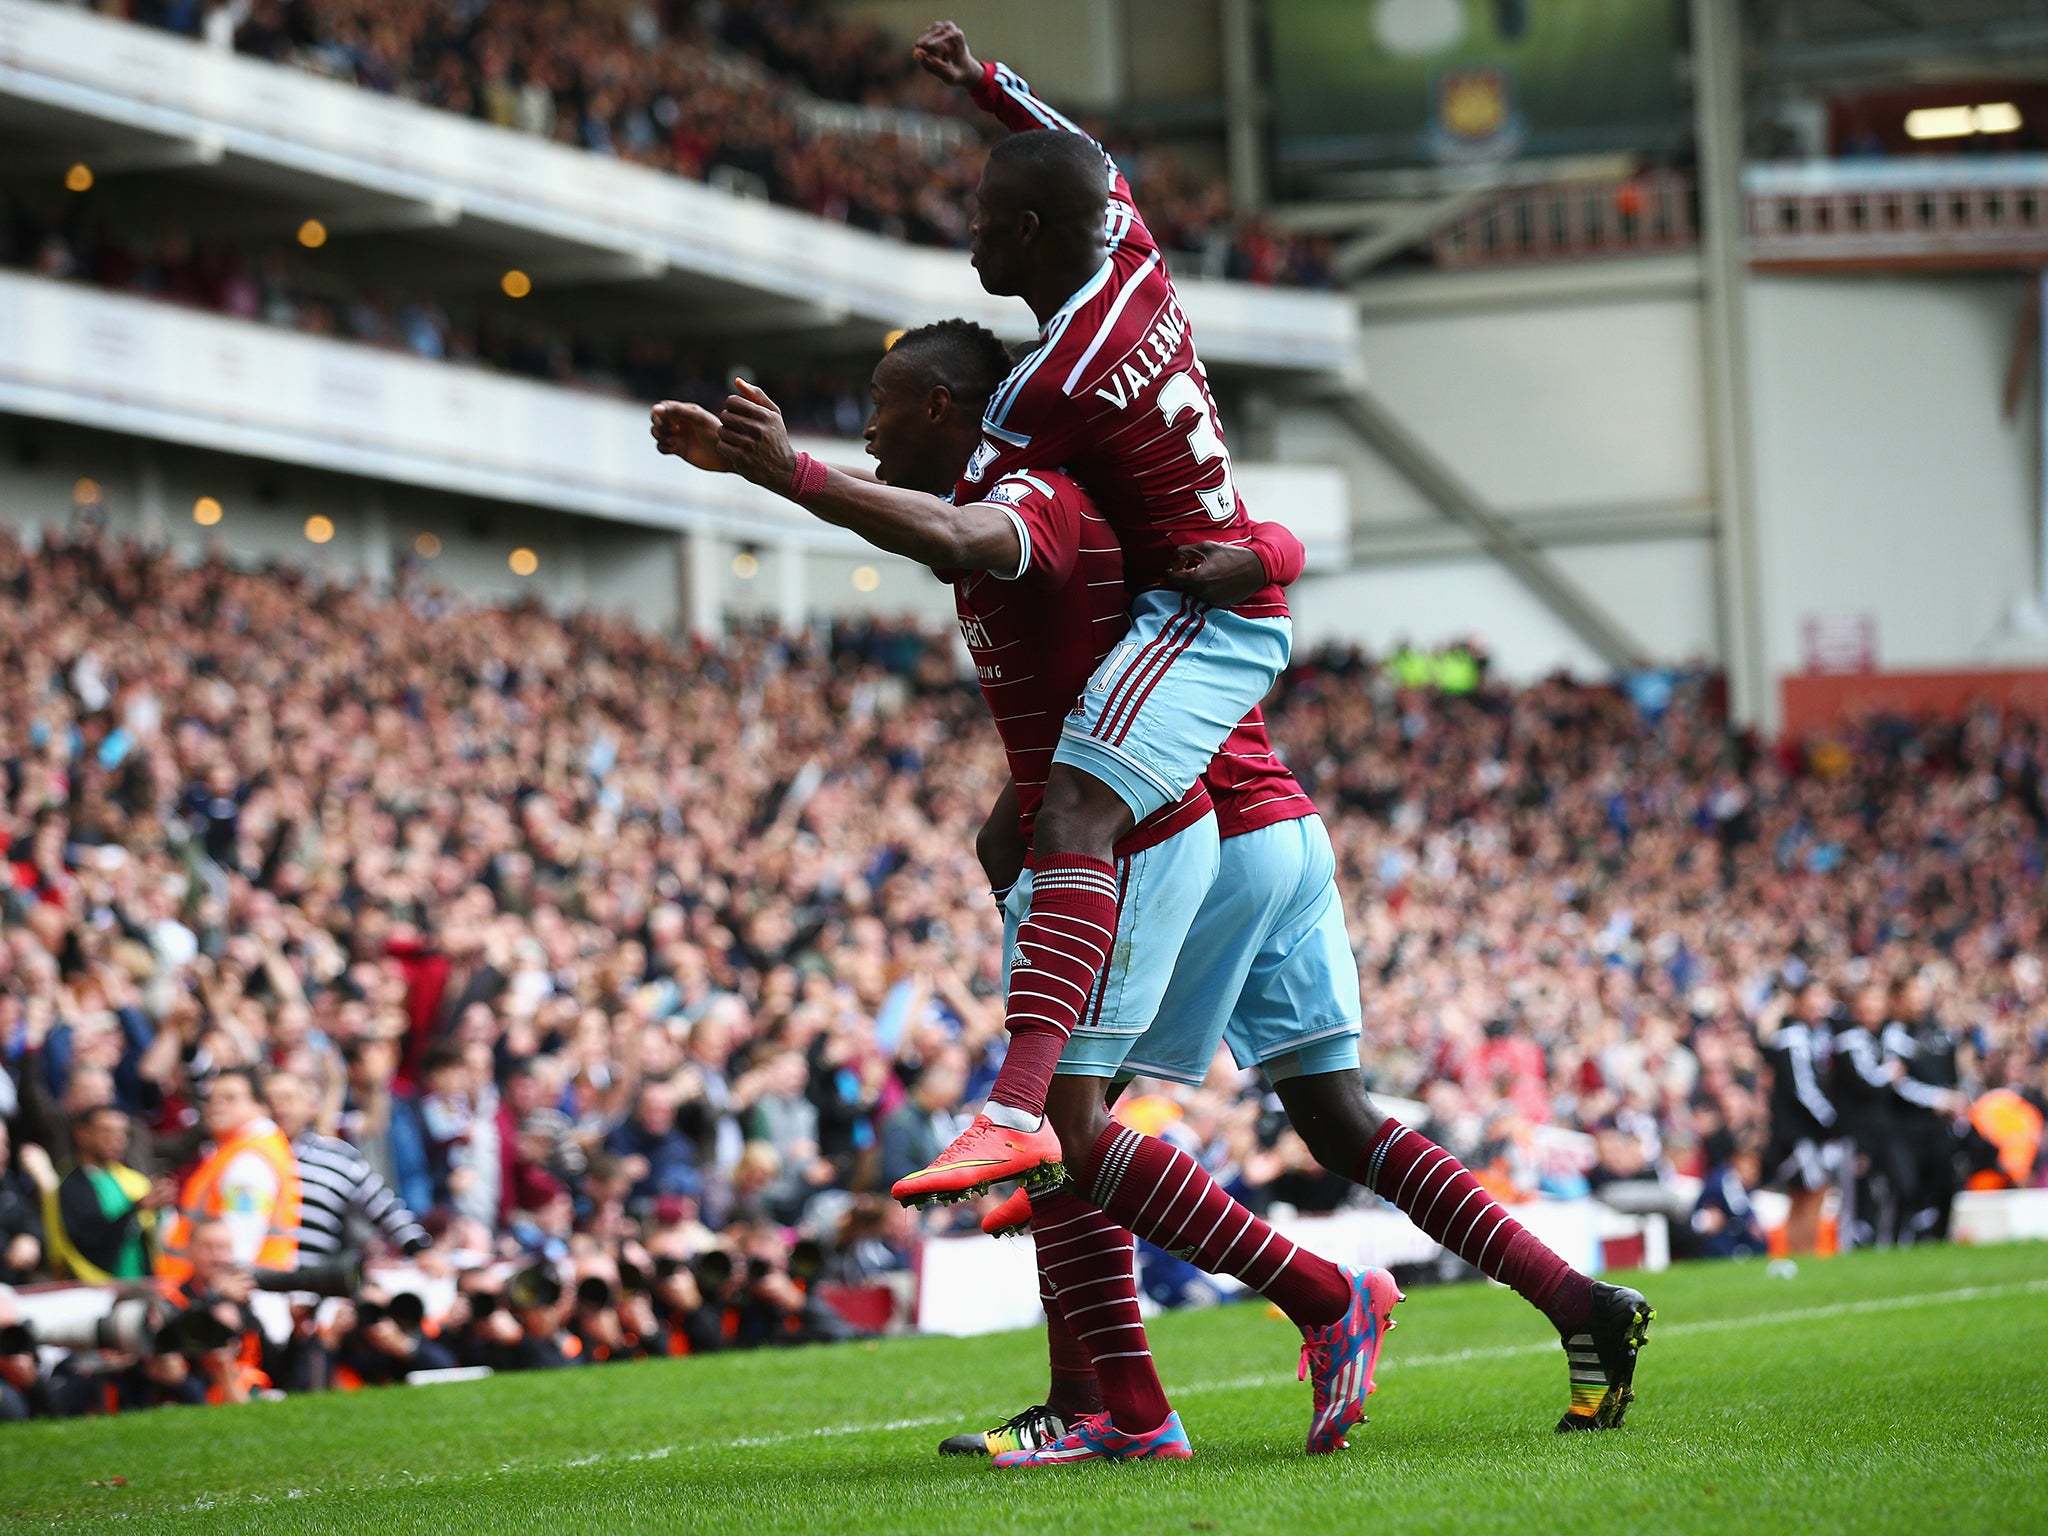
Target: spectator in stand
point(341, 1195)
point(384, 1126)
point(926, 1123)
point(656, 1157)
point(105, 1212)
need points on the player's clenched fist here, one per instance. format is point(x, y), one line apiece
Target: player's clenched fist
point(1218, 575)
point(690, 433)
point(942, 49)
point(753, 439)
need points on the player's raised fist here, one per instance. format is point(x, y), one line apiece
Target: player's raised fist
point(753, 439)
point(942, 49)
point(690, 433)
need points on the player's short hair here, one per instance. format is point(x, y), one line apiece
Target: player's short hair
point(967, 358)
point(1064, 177)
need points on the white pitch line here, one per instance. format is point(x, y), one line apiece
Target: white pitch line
point(1704, 1325)
point(1231, 1384)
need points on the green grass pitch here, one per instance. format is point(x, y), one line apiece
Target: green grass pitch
point(1881, 1392)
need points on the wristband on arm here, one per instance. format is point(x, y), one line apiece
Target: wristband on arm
point(807, 479)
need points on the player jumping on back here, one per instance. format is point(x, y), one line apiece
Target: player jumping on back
point(1113, 395)
point(1038, 585)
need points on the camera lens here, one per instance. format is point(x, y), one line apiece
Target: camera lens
point(713, 1268)
point(806, 1259)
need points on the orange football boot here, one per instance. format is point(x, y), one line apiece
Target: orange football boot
point(984, 1154)
point(1011, 1217)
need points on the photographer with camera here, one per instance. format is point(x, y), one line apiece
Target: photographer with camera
point(383, 1339)
point(218, 1286)
point(22, 1392)
point(21, 1222)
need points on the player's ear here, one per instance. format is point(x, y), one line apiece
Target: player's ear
point(938, 404)
point(1028, 226)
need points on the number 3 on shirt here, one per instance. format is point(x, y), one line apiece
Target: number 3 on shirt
point(1179, 395)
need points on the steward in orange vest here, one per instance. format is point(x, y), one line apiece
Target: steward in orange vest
point(248, 1180)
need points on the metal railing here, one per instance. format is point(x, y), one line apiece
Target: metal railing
point(1899, 213)
point(1646, 214)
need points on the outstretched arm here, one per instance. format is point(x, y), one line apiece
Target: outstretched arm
point(755, 443)
point(942, 49)
point(690, 433)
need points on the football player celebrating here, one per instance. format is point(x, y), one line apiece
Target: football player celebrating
point(1037, 582)
point(1114, 395)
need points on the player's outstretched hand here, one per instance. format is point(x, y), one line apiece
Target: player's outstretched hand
point(690, 433)
point(1221, 575)
point(753, 439)
point(942, 49)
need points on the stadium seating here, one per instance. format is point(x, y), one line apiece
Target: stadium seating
point(738, 103)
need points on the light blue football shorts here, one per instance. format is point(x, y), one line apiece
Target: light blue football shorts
point(1266, 967)
point(1159, 891)
point(1163, 702)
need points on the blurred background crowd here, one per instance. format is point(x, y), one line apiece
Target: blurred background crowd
point(607, 981)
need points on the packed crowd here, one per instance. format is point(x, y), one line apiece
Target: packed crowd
point(275, 285)
point(715, 91)
point(625, 974)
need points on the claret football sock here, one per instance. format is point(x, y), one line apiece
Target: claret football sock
point(1086, 1261)
point(1062, 945)
point(1075, 1389)
point(1438, 1193)
point(1166, 1197)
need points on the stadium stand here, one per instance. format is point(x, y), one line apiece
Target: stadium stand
point(583, 983)
point(266, 283)
point(734, 100)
